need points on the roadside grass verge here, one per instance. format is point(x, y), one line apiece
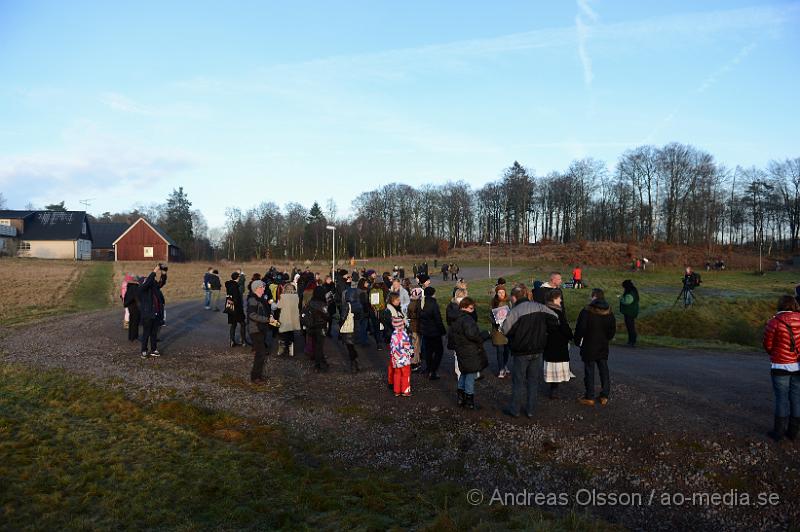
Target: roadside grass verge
point(86, 289)
point(730, 313)
point(74, 455)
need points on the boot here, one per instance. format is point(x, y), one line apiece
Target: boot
point(462, 397)
point(469, 403)
point(779, 430)
point(794, 428)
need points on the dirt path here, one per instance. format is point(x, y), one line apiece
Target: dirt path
point(678, 421)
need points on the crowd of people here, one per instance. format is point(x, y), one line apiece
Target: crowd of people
point(529, 330)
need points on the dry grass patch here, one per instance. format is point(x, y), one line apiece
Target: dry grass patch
point(33, 286)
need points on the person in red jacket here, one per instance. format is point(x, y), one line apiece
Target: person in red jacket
point(782, 343)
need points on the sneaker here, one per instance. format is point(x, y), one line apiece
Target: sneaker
point(397, 395)
point(155, 353)
point(144, 354)
point(508, 412)
point(587, 402)
point(407, 394)
point(258, 381)
point(603, 401)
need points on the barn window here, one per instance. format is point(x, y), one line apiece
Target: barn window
point(5, 222)
point(24, 246)
point(148, 251)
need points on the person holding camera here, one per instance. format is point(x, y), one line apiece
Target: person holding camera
point(150, 301)
point(258, 313)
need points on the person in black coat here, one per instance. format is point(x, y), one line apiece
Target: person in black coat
point(318, 309)
point(235, 317)
point(431, 329)
point(150, 300)
point(556, 351)
point(134, 316)
point(594, 330)
point(467, 339)
point(258, 314)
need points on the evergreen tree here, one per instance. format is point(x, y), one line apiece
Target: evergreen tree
point(177, 219)
point(56, 207)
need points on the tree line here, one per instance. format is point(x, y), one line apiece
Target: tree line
point(676, 193)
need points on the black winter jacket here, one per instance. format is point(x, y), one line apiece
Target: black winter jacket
point(594, 329)
point(558, 337)
point(526, 327)
point(430, 319)
point(258, 313)
point(232, 290)
point(149, 297)
point(468, 340)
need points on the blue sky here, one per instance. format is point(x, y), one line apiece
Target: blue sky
point(243, 102)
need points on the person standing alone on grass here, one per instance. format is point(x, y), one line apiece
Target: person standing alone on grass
point(151, 307)
point(467, 339)
point(258, 312)
point(594, 330)
point(577, 277)
point(782, 343)
point(526, 328)
point(629, 307)
point(556, 352)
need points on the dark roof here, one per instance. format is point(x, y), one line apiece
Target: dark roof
point(106, 233)
point(56, 225)
point(15, 215)
point(165, 236)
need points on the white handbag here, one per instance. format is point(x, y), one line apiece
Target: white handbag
point(349, 325)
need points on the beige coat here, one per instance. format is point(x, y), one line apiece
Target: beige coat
point(290, 312)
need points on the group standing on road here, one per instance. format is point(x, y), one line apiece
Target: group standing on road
point(529, 330)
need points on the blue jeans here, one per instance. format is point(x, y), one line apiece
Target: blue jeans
point(502, 351)
point(361, 330)
point(207, 298)
point(588, 377)
point(466, 382)
point(787, 395)
point(526, 371)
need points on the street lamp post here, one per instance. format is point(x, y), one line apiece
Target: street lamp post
point(490, 258)
point(333, 247)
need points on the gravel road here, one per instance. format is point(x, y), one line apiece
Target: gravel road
point(679, 422)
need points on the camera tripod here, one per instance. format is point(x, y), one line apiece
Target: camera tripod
point(687, 294)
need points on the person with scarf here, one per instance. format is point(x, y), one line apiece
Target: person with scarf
point(400, 353)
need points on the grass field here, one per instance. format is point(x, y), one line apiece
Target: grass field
point(730, 313)
point(74, 455)
point(31, 289)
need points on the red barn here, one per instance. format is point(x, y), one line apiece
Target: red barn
point(146, 241)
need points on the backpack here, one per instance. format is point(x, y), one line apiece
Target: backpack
point(376, 299)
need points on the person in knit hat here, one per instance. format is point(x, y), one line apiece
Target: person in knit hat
point(413, 320)
point(400, 358)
